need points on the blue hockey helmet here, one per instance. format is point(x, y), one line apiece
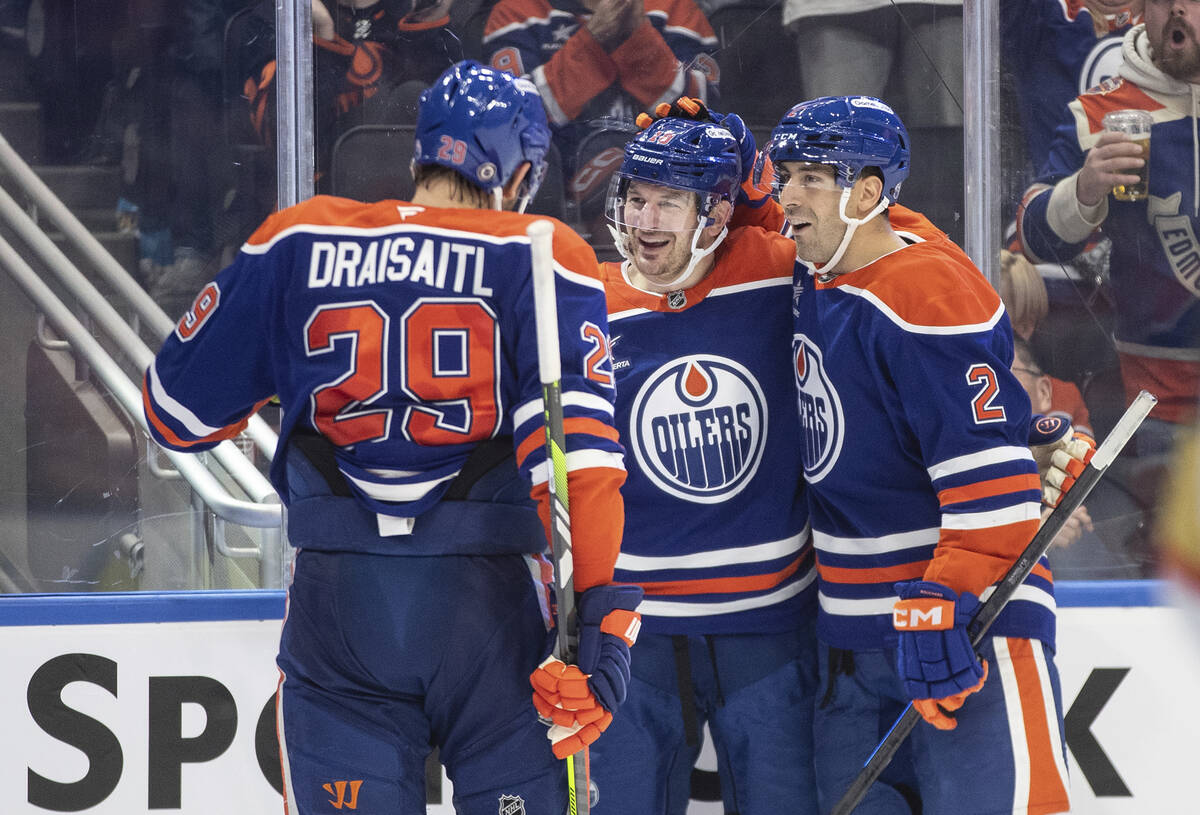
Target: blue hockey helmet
point(849, 132)
point(697, 157)
point(483, 124)
point(702, 157)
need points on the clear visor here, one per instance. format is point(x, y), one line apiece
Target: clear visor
point(640, 205)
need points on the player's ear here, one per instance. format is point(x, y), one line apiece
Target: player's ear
point(513, 188)
point(869, 189)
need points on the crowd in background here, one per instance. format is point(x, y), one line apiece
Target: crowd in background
point(181, 97)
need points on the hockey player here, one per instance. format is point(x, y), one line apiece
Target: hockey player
point(716, 521)
point(922, 491)
point(400, 339)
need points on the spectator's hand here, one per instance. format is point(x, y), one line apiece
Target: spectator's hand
point(1079, 522)
point(322, 21)
point(637, 12)
point(609, 23)
point(1104, 167)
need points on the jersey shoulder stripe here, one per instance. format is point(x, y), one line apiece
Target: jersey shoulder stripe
point(1116, 94)
point(953, 298)
point(333, 216)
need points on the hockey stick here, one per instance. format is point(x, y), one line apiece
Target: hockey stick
point(987, 613)
point(545, 306)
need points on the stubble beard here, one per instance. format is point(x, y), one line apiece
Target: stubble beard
point(1182, 63)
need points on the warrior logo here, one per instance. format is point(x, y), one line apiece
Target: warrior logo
point(512, 805)
point(698, 428)
point(822, 423)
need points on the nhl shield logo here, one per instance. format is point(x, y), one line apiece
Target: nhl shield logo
point(822, 423)
point(512, 805)
point(698, 428)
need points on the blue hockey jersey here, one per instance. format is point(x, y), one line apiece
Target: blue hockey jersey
point(1054, 50)
point(715, 515)
point(914, 440)
point(404, 335)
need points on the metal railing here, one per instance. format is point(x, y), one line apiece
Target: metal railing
point(263, 510)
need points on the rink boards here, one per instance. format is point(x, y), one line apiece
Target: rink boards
point(132, 703)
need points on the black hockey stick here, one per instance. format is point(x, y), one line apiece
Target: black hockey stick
point(987, 613)
point(541, 244)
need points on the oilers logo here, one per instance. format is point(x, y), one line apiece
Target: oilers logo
point(822, 423)
point(698, 428)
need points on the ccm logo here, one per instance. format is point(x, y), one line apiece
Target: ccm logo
point(923, 615)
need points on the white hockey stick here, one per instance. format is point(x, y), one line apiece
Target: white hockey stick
point(541, 244)
point(987, 613)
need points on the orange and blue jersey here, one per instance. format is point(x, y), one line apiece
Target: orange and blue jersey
point(667, 55)
point(405, 336)
point(716, 528)
point(913, 436)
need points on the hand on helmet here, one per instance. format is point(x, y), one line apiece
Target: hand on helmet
point(689, 107)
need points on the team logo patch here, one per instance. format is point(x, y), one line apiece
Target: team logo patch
point(698, 428)
point(822, 422)
point(512, 805)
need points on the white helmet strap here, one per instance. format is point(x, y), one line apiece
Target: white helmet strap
point(851, 225)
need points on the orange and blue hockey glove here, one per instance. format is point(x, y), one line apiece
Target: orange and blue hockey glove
point(1061, 453)
point(934, 657)
point(579, 700)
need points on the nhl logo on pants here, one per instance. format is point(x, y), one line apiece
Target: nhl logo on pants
point(512, 805)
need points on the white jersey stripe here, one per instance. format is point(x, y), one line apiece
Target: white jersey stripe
point(974, 461)
point(376, 231)
point(582, 460)
point(1056, 736)
point(663, 607)
point(580, 399)
point(1025, 511)
point(554, 111)
point(176, 409)
point(914, 328)
point(397, 492)
point(1018, 739)
point(718, 557)
point(883, 605)
point(876, 546)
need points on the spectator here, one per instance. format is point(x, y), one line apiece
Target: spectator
point(1024, 295)
point(1155, 256)
point(1037, 385)
point(1054, 51)
point(372, 59)
point(598, 63)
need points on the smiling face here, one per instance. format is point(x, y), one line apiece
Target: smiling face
point(660, 222)
point(1171, 28)
point(811, 197)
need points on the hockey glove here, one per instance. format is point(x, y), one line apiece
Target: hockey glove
point(561, 697)
point(688, 107)
point(934, 658)
point(579, 700)
point(1061, 454)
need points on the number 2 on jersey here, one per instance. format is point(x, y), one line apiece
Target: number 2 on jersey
point(983, 405)
point(448, 365)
